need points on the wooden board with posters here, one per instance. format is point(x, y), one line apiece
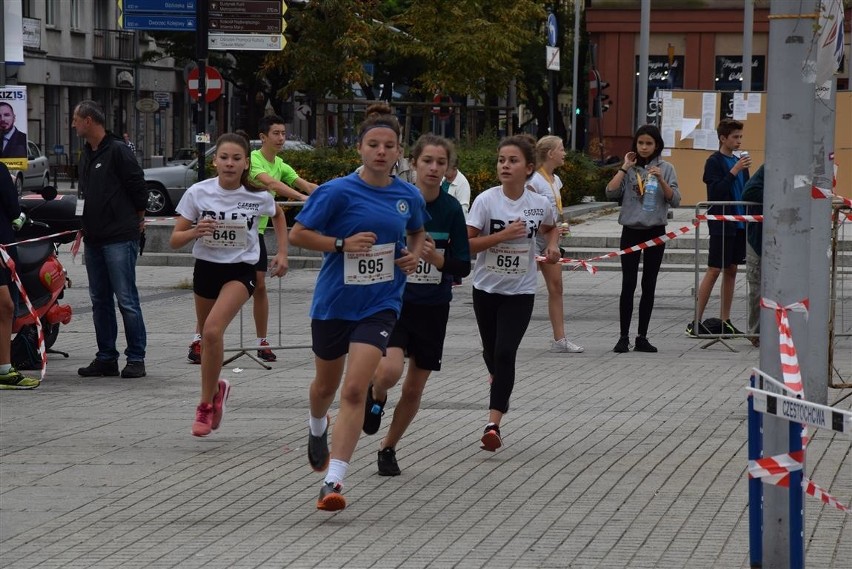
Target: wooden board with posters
point(688, 125)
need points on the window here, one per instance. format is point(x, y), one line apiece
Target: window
point(51, 9)
point(101, 14)
point(75, 14)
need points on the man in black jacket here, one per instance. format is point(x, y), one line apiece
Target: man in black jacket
point(10, 378)
point(13, 142)
point(113, 186)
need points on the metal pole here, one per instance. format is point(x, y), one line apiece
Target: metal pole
point(816, 371)
point(575, 84)
point(201, 54)
point(644, 40)
point(786, 228)
point(755, 485)
point(748, 32)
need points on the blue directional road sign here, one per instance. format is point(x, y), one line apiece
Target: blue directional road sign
point(165, 23)
point(160, 6)
point(551, 29)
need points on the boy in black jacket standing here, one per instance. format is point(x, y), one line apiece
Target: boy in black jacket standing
point(725, 175)
point(113, 216)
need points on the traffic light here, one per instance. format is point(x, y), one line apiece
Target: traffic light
point(602, 100)
point(604, 97)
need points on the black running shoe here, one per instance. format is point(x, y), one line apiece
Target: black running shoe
point(729, 327)
point(622, 346)
point(491, 439)
point(330, 498)
point(643, 345)
point(387, 463)
point(373, 412)
point(100, 368)
point(318, 455)
point(702, 329)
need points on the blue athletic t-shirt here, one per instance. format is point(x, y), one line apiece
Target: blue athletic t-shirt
point(737, 189)
point(348, 205)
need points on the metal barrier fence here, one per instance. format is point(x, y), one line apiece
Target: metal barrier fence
point(839, 323)
point(242, 349)
point(720, 337)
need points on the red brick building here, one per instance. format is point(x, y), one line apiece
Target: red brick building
point(706, 45)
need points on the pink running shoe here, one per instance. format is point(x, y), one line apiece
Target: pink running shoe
point(203, 420)
point(194, 355)
point(219, 402)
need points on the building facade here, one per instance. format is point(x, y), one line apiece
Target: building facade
point(697, 48)
point(75, 50)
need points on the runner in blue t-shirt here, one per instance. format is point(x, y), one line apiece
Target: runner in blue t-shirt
point(419, 333)
point(370, 226)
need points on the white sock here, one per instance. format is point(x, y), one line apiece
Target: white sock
point(317, 426)
point(6, 368)
point(336, 471)
point(196, 338)
point(260, 341)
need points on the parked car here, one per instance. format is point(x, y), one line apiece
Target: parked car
point(167, 184)
point(182, 157)
point(37, 174)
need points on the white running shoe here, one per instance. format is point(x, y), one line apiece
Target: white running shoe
point(564, 346)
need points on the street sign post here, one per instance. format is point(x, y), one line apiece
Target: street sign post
point(159, 6)
point(154, 22)
point(213, 80)
point(264, 25)
point(248, 42)
point(253, 7)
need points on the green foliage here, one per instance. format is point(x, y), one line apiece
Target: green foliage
point(455, 37)
point(322, 164)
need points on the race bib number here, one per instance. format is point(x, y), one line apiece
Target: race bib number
point(507, 259)
point(426, 273)
point(228, 234)
point(370, 267)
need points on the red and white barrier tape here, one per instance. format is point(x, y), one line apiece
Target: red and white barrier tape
point(779, 464)
point(750, 218)
point(10, 264)
point(826, 498)
point(4, 254)
point(789, 360)
point(822, 194)
point(587, 263)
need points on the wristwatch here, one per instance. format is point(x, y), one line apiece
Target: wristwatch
point(338, 244)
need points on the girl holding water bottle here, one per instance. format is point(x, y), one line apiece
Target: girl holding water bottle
point(646, 187)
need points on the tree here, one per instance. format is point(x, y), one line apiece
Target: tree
point(467, 46)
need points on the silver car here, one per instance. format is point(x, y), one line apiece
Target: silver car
point(37, 174)
point(167, 184)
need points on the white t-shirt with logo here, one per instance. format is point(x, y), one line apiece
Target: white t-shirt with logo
point(508, 267)
point(237, 212)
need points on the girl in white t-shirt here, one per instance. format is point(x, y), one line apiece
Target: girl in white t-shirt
point(549, 155)
point(221, 214)
point(502, 226)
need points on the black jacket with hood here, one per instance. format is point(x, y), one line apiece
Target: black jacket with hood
point(113, 186)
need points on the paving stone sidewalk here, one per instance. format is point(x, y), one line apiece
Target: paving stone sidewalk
point(610, 460)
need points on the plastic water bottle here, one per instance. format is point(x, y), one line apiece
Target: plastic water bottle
point(649, 200)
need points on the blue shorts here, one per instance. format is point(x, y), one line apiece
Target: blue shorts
point(331, 338)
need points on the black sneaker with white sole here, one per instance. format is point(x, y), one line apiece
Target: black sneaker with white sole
point(318, 455)
point(387, 463)
point(373, 411)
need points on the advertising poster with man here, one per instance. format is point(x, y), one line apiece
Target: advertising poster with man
point(13, 127)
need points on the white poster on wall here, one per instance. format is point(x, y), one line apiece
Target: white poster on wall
point(13, 30)
point(13, 127)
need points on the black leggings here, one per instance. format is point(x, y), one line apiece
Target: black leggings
point(630, 272)
point(502, 320)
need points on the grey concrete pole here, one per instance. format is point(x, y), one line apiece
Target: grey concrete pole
point(786, 227)
point(815, 371)
point(644, 40)
point(748, 32)
point(576, 81)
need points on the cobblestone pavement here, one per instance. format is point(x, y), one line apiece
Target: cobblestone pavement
point(610, 460)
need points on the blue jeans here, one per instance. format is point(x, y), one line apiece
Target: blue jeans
point(112, 272)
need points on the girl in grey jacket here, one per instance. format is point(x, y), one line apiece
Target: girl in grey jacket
point(641, 224)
